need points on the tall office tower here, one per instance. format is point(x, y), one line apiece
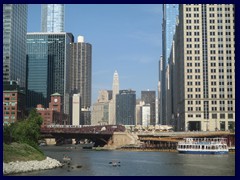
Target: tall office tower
point(81, 74)
point(112, 105)
point(48, 59)
point(149, 97)
point(170, 13)
point(100, 109)
point(52, 18)
point(81, 71)
point(204, 67)
point(125, 107)
point(14, 43)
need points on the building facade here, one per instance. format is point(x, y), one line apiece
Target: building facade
point(170, 13)
point(203, 68)
point(53, 115)
point(100, 109)
point(81, 75)
point(52, 19)
point(149, 97)
point(112, 105)
point(76, 109)
point(48, 67)
point(126, 107)
point(146, 114)
point(14, 43)
point(81, 71)
point(13, 102)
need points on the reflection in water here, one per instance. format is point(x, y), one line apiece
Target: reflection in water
point(96, 163)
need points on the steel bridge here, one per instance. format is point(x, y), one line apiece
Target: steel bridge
point(98, 134)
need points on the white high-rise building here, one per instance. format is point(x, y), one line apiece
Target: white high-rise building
point(203, 68)
point(146, 115)
point(76, 109)
point(112, 105)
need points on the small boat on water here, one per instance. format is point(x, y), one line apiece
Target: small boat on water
point(115, 163)
point(66, 159)
point(203, 146)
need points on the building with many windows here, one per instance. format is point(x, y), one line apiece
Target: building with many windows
point(13, 102)
point(170, 13)
point(14, 43)
point(149, 97)
point(48, 67)
point(126, 107)
point(81, 75)
point(100, 109)
point(52, 17)
point(203, 68)
point(53, 115)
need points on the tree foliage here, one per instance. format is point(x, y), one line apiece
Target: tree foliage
point(24, 131)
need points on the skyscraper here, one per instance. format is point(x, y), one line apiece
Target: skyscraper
point(52, 18)
point(170, 13)
point(204, 68)
point(81, 70)
point(125, 107)
point(14, 43)
point(48, 67)
point(81, 74)
point(112, 105)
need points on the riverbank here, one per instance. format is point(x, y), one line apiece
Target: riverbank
point(28, 166)
point(19, 158)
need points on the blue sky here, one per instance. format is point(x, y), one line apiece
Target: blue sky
point(124, 37)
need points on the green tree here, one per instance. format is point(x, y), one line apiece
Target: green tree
point(25, 131)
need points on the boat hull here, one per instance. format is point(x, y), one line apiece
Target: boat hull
point(203, 152)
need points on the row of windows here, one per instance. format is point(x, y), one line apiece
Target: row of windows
point(213, 102)
point(214, 96)
point(213, 109)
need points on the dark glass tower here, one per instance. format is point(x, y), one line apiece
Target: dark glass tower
point(125, 107)
point(48, 59)
point(170, 13)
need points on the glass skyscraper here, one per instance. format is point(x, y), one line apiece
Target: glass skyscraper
point(170, 13)
point(125, 107)
point(52, 17)
point(48, 59)
point(14, 43)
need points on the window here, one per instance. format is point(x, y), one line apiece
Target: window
point(222, 116)
point(214, 116)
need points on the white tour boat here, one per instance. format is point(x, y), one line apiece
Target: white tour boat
point(203, 146)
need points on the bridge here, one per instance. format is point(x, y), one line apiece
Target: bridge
point(98, 134)
point(118, 135)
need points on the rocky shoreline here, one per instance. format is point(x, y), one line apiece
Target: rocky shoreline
point(28, 166)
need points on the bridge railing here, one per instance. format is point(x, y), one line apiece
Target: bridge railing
point(107, 129)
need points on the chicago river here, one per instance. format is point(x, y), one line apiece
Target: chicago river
point(132, 163)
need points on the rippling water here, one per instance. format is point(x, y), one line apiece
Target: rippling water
point(96, 163)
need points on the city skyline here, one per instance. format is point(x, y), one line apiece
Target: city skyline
point(127, 42)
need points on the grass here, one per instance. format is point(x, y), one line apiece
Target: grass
point(21, 152)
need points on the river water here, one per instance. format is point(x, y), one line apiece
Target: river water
point(135, 163)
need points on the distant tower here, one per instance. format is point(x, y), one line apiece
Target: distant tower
point(112, 105)
point(115, 86)
point(52, 17)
